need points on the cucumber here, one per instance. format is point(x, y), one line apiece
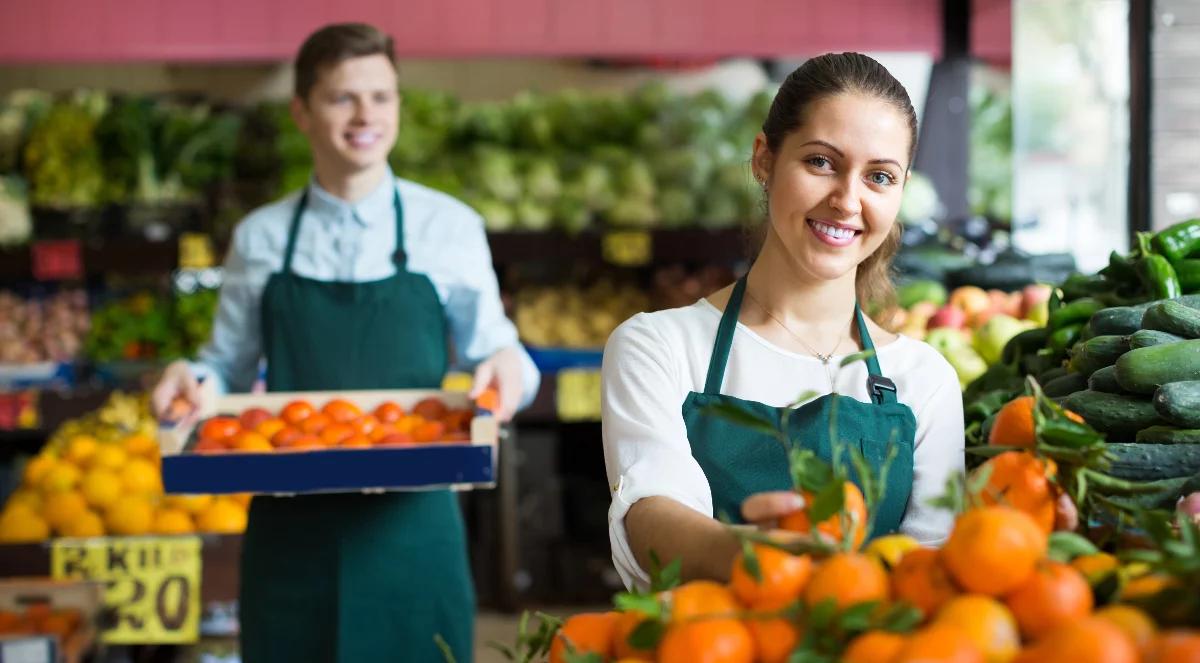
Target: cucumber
point(1179, 403)
point(1027, 342)
point(1169, 435)
point(1148, 337)
point(1173, 317)
point(1141, 462)
point(1143, 370)
point(1052, 374)
point(1061, 339)
point(1105, 379)
point(1096, 353)
point(1190, 301)
point(1078, 311)
point(1066, 384)
point(1118, 414)
point(1116, 320)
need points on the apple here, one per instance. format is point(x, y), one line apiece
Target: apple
point(922, 310)
point(1034, 297)
point(990, 339)
point(971, 299)
point(946, 339)
point(967, 364)
point(948, 316)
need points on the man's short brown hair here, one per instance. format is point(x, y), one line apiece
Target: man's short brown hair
point(334, 43)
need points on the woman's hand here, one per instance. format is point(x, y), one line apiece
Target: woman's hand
point(176, 398)
point(764, 510)
point(502, 372)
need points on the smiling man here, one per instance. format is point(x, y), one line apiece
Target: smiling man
point(356, 282)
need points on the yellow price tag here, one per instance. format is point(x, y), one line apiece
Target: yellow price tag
point(152, 584)
point(577, 397)
point(627, 248)
point(195, 251)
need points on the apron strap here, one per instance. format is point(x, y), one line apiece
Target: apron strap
point(400, 257)
point(720, 353)
point(294, 230)
point(881, 389)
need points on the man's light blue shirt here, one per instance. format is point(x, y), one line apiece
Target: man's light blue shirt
point(340, 241)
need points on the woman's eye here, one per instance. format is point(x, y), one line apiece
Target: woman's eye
point(881, 178)
point(819, 162)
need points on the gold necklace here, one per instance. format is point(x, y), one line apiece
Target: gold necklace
point(824, 358)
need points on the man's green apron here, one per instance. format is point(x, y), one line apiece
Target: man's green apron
point(740, 462)
point(354, 577)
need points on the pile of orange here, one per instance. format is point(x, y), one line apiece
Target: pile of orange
point(88, 488)
point(39, 619)
point(989, 595)
point(338, 423)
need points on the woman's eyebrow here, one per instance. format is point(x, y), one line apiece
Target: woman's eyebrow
point(835, 150)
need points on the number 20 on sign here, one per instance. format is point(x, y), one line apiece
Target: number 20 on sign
point(152, 584)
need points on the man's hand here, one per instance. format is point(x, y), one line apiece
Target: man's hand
point(502, 372)
point(176, 397)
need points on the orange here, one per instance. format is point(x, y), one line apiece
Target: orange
point(1143, 587)
point(408, 423)
point(847, 578)
point(1090, 639)
point(286, 436)
point(855, 508)
point(394, 439)
point(141, 445)
point(141, 477)
point(84, 525)
point(430, 431)
point(921, 580)
point(10, 621)
point(365, 424)
point(783, 576)
point(1013, 426)
point(223, 516)
point(335, 433)
point(701, 598)
point(248, 441)
point(356, 441)
point(987, 622)
point(210, 447)
point(173, 521)
point(939, 642)
point(1135, 623)
point(774, 637)
point(873, 647)
point(488, 400)
point(430, 409)
point(63, 476)
point(587, 633)
point(381, 431)
point(20, 524)
point(112, 457)
point(27, 497)
point(1095, 567)
point(625, 625)
point(342, 411)
point(708, 641)
point(458, 420)
point(1175, 647)
point(130, 516)
point(62, 507)
point(269, 427)
point(219, 428)
point(251, 418)
point(1021, 480)
point(296, 411)
point(993, 549)
point(1052, 595)
point(388, 412)
point(80, 450)
point(315, 423)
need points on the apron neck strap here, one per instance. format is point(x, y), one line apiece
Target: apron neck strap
point(720, 353)
point(881, 389)
point(400, 257)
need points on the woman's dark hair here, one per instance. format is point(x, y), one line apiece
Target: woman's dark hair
point(334, 43)
point(825, 76)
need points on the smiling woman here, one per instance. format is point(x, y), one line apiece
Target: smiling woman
point(832, 159)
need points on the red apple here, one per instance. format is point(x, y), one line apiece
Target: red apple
point(251, 418)
point(971, 299)
point(948, 316)
point(1032, 296)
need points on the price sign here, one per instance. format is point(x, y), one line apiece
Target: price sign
point(54, 260)
point(627, 248)
point(577, 397)
point(152, 584)
point(195, 251)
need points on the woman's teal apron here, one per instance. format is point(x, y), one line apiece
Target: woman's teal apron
point(740, 462)
point(354, 577)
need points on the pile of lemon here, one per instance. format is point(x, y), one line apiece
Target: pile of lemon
point(84, 485)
